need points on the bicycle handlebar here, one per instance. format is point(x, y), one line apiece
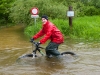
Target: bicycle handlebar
point(37, 47)
point(36, 44)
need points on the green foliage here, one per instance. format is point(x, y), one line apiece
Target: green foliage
point(95, 3)
point(62, 25)
point(86, 28)
point(32, 29)
point(90, 11)
point(4, 10)
point(18, 11)
point(48, 7)
point(79, 9)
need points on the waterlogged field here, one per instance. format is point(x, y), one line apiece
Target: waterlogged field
point(13, 45)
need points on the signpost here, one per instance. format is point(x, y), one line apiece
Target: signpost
point(70, 14)
point(34, 13)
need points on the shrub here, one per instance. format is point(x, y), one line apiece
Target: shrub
point(91, 10)
point(20, 11)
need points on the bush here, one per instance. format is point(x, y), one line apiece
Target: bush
point(20, 11)
point(90, 11)
point(32, 29)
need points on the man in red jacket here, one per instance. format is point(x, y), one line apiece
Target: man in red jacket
point(49, 31)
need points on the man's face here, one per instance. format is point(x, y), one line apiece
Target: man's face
point(44, 20)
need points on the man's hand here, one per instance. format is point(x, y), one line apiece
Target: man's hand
point(38, 43)
point(31, 40)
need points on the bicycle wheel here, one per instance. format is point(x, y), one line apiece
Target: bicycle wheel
point(24, 59)
point(71, 53)
point(69, 56)
point(26, 56)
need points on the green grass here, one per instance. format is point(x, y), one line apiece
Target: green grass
point(87, 28)
point(32, 29)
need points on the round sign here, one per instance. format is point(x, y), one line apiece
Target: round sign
point(34, 11)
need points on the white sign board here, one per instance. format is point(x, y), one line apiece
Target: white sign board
point(70, 13)
point(34, 16)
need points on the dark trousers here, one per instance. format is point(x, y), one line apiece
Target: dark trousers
point(52, 49)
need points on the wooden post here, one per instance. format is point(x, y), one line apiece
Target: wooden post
point(70, 18)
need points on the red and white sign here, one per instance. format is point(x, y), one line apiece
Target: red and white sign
point(34, 11)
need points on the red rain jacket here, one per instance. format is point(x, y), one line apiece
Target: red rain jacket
point(50, 31)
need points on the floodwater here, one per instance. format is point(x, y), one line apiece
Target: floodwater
point(13, 44)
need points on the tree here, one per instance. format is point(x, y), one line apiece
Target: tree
point(20, 11)
point(4, 10)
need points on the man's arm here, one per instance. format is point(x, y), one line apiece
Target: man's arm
point(39, 34)
point(47, 35)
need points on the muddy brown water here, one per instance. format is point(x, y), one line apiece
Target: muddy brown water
point(13, 44)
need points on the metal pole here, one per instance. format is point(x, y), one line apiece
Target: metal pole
point(35, 21)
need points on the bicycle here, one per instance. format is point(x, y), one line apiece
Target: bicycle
point(38, 48)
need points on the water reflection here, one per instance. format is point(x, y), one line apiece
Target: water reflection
point(13, 44)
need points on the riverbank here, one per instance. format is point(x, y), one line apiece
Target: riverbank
point(86, 28)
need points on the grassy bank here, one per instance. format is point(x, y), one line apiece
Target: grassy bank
point(83, 28)
point(86, 28)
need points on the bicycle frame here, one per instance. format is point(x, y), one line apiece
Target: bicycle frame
point(37, 48)
point(33, 54)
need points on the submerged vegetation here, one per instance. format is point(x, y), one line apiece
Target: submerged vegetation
point(87, 28)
